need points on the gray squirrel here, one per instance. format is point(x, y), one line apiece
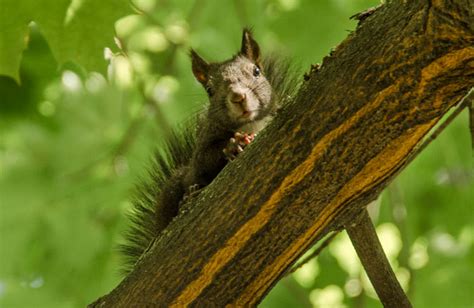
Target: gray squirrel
point(244, 92)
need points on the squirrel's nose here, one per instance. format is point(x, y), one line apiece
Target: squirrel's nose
point(237, 98)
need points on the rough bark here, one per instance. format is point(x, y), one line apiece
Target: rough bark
point(348, 132)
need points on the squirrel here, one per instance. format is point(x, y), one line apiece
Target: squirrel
point(244, 93)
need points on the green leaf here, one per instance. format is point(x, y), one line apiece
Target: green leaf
point(13, 36)
point(76, 30)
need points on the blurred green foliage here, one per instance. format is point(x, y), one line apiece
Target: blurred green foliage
point(66, 25)
point(73, 144)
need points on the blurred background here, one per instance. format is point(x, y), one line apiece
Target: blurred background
point(74, 143)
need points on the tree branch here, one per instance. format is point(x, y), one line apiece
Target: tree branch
point(371, 254)
point(347, 134)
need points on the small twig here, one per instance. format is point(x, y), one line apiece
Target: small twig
point(314, 254)
point(367, 245)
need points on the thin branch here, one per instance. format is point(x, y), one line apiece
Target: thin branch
point(367, 245)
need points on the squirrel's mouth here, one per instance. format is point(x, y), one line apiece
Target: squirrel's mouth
point(247, 115)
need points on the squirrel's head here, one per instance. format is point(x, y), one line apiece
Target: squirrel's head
point(237, 88)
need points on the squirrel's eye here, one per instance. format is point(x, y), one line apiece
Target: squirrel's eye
point(256, 71)
point(209, 91)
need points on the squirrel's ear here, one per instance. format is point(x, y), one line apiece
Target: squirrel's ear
point(200, 67)
point(250, 48)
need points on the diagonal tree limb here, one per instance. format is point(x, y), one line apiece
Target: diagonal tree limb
point(465, 102)
point(349, 131)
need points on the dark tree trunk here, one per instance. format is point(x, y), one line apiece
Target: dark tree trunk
point(349, 131)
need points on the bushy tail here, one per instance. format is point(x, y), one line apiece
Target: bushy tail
point(157, 199)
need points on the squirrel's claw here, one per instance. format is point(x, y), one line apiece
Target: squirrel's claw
point(237, 144)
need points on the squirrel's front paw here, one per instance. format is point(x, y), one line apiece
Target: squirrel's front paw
point(237, 144)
